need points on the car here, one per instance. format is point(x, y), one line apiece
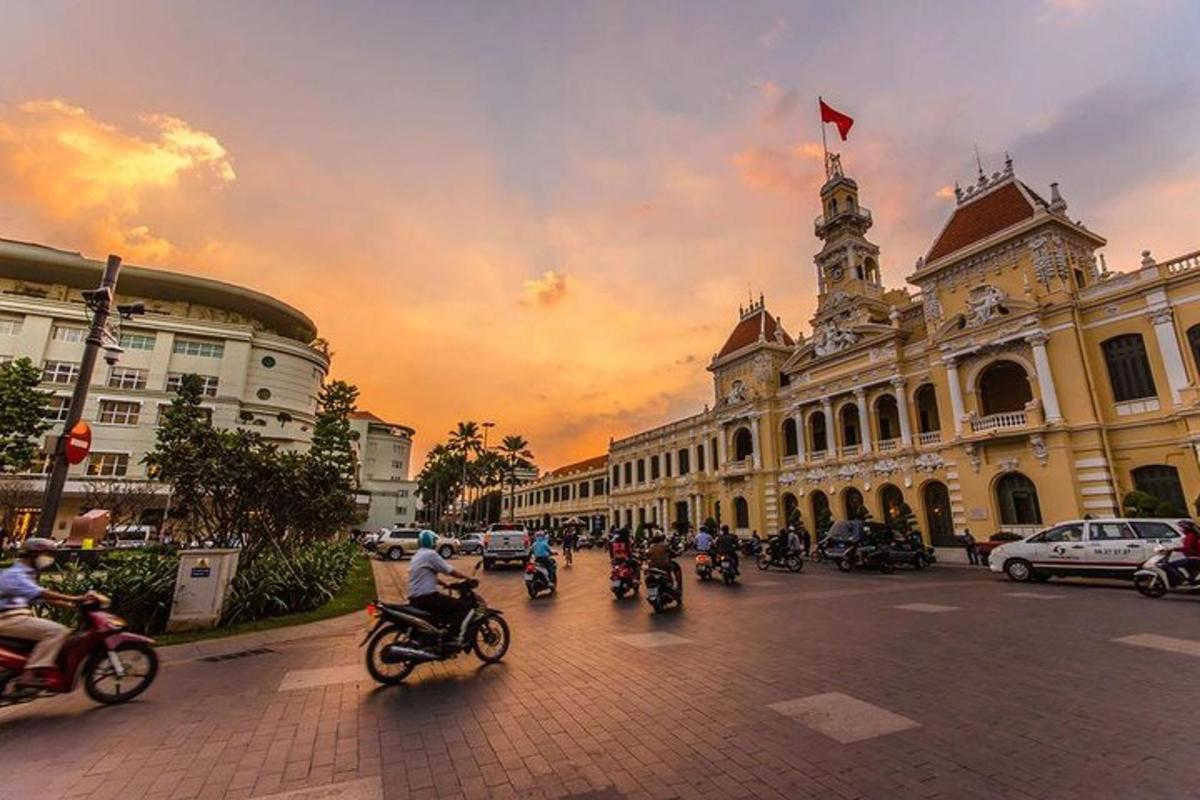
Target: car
point(1100, 548)
point(395, 543)
point(472, 544)
point(504, 542)
point(903, 549)
point(847, 534)
point(984, 549)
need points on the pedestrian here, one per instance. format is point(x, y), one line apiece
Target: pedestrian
point(972, 552)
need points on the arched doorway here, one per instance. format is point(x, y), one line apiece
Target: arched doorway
point(791, 510)
point(852, 502)
point(890, 500)
point(822, 518)
point(682, 522)
point(741, 513)
point(789, 437)
point(743, 444)
point(937, 514)
point(1003, 386)
point(1018, 500)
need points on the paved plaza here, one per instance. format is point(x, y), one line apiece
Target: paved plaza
point(952, 683)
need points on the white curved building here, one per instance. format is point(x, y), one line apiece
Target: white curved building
point(261, 360)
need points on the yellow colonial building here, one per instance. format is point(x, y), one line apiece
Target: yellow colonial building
point(1017, 382)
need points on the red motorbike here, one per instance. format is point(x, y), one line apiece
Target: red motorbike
point(624, 578)
point(115, 665)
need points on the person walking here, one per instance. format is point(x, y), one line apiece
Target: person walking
point(806, 540)
point(972, 551)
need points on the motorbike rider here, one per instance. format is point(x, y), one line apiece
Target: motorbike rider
point(780, 545)
point(659, 557)
point(1190, 549)
point(18, 588)
point(727, 545)
point(793, 545)
point(622, 551)
point(423, 585)
point(704, 541)
point(541, 554)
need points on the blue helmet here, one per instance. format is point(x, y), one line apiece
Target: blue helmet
point(427, 539)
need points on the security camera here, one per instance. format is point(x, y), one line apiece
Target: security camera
point(112, 353)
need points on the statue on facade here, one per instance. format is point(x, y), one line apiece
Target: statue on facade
point(984, 303)
point(830, 337)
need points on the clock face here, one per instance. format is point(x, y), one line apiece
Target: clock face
point(836, 273)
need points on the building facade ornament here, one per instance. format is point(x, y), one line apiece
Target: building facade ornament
point(929, 462)
point(1038, 445)
point(984, 303)
point(974, 454)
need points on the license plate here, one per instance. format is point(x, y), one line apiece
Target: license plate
point(528, 576)
point(616, 584)
point(654, 594)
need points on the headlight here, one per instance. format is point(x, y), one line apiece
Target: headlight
point(117, 622)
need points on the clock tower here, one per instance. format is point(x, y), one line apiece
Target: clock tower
point(848, 264)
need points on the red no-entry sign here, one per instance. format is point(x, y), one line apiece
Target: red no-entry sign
point(79, 442)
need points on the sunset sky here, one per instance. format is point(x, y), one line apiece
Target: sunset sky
point(546, 214)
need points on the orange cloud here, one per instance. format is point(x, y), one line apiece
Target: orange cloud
point(76, 172)
point(946, 192)
point(546, 290)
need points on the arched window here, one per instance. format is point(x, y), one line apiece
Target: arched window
point(1193, 335)
point(1018, 500)
point(685, 463)
point(849, 415)
point(1162, 481)
point(833, 207)
point(816, 423)
point(741, 513)
point(791, 510)
point(700, 458)
point(937, 514)
point(743, 444)
point(872, 269)
point(887, 418)
point(927, 409)
point(789, 437)
point(890, 499)
point(822, 518)
point(852, 502)
point(1128, 367)
point(1003, 386)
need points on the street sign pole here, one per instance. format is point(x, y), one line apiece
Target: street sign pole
point(100, 303)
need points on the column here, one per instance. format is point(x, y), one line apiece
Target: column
point(864, 422)
point(831, 439)
point(721, 445)
point(902, 410)
point(692, 465)
point(798, 421)
point(754, 440)
point(956, 398)
point(1041, 363)
point(1168, 345)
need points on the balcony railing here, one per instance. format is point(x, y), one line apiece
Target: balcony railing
point(819, 455)
point(791, 461)
point(888, 445)
point(1182, 263)
point(929, 437)
point(825, 219)
point(736, 467)
point(999, 422)
point(849, 450)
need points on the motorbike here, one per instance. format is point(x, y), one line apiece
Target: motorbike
point(624, 579)
point(661, 590)
point(704, 566)
point(727, 569)
point(871, 558)
point(677, 546)
point(751, 547)
point(538, 578)
point(115, 665)
point(818, 552)
point(403, 636)
point(768, 558)
point(1158, 575)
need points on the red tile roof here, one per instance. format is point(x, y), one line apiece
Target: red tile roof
point(980, 218)
point(747, 331)
point(581, 466)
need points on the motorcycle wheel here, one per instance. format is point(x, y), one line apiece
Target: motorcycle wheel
point(491, 639)
point(795, 563)
point(141, 666)
point(818, 557)
point(532, 591)
point(658, 605)
point(844, 564)
point(728, 578)
point(382, 672)
point(1150, 587)
point(887, 568)
point(619, 593)
point(919, 563)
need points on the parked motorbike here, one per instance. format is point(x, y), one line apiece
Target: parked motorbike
point(704, 566)
point(624, 579)
point(661, 590)
point(538, 578)
point(792, 561)
point(818, 552)
point(751, 547)
point(115, 665)
point(1159, 575)
point(727, 569)
point(854, 557)
point(404, 636)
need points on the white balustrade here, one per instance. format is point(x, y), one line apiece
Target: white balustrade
point(997, 422)
point(887, 445)
point(929, 437)
point(848, 450)
point(820, 455)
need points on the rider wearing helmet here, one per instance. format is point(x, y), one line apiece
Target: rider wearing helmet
point(18, 588)
point(423, 585)
point(659, 557)
point(541, 552)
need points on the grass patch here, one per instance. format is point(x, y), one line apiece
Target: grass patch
point(356, 592)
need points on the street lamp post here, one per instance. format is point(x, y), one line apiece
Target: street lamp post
point(99, 302)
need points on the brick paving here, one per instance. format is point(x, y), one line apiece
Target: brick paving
point(1008, 697)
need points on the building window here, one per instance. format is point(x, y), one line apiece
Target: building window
point(119, 412)
point(1162, 481)
point(682, 457)
point(198, 347)
point(927, 410)
point(616, 475)
point(57, 409)
point(1193, 337)
point(584, 490)
point(641, 470)
point(126, 378)
point(1128, 367)
point(204, 412)
point(628, 472)
point(263, 394)
point(59, 372)
point(268, 361)
point(666, 457)
point(545, 495)
point(790, 443)
point(133, 340)
point(712, 454)
point(108, 464)
point(598, 486)
point(654, 468)
point(1004, 387)
point(741, 513)
point(554, 494)
point(820, 442)
point(1018, 500)
point(743, 444)
point(700, 457)
point(208, 383)
point(9, 326)
point(68, 333)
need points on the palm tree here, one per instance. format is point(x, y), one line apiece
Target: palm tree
point(516, 454)
point(465, 439)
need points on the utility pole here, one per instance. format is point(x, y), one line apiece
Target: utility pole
point(99, 302)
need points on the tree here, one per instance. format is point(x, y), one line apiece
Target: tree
point(1139, 504)
point(516, 455)
point(17, 493)
point(906, 521)
point(332, 439)
point(438, 481)
point(862, 513)
point(23, 410)
point(824, 520)
point(465, 440)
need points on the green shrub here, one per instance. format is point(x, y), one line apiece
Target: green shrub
point(290, 580)
point(141, 584)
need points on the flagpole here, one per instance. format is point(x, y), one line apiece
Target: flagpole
point(824, 146)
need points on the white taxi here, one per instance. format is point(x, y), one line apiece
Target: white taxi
point(1101, 548)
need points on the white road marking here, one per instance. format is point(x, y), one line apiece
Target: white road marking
point(362, 789)
point(648, 640)
point(926, 608)
point(1036, 595)
point(1156, 642)
point(312, 678)
point(842, 718)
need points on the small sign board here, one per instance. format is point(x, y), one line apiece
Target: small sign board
point(201, 569)
point(79, 442)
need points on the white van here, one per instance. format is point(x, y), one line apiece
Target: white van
point(1100, 548)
